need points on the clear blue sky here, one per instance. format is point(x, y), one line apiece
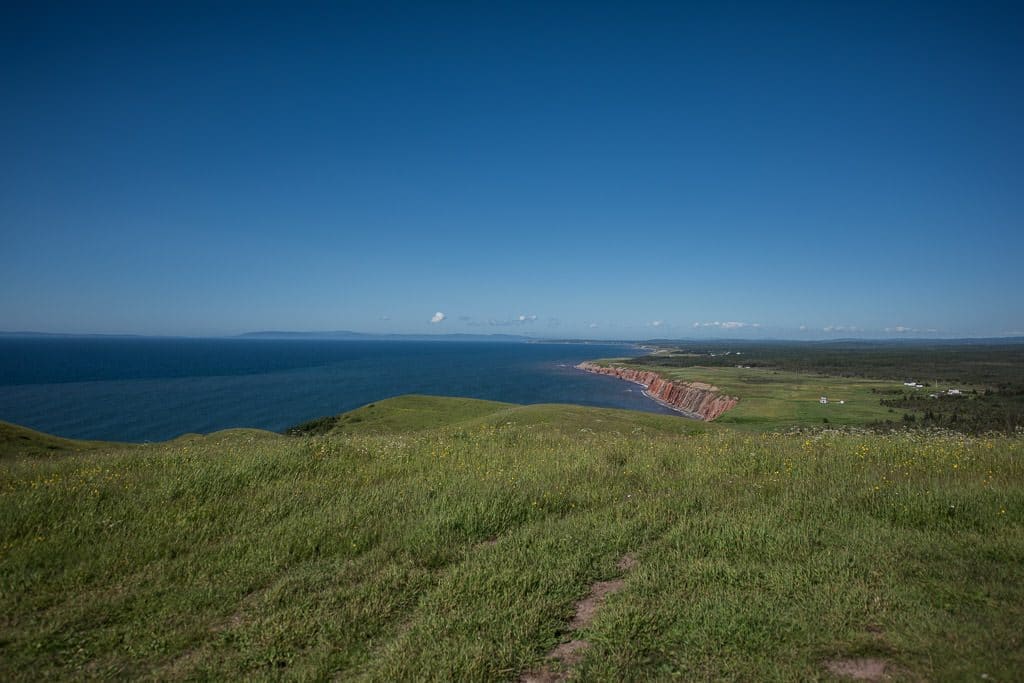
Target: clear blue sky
point(622, 170)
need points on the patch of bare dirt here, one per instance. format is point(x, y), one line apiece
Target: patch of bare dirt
point(862, 669)
point(627, 562)
point(586, 608)
point(568, 654)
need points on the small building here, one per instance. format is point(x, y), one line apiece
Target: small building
point(823, 400)
point(953, 392)
point(910, 384)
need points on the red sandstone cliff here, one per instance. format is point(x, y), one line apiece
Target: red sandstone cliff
point(696, 398)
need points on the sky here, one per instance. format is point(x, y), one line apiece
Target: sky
point(604, 170)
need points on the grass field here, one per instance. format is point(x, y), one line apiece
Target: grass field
point(775, 399)
point(993, 372)
point(447, 539)
point(416, 413)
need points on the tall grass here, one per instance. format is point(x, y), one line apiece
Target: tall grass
point(459, 553)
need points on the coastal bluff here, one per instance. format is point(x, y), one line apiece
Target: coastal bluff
point(696, 399)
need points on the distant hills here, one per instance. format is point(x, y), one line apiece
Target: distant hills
point(346, 334)
point(458, 336)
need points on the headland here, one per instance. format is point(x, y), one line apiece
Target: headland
point(697, 400)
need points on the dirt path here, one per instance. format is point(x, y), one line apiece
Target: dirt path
point(566, 655)
point(864, 669)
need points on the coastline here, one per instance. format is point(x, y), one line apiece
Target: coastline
point(685, 413)
point(695, 400)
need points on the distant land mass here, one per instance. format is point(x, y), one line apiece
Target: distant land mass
point(852, 342)
point(740, 343)
point(365, 336)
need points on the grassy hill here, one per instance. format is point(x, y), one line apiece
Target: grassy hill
point(413, 413)
point(450, 539)
point(17, 440)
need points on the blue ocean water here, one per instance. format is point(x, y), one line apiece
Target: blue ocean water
point(150, 389)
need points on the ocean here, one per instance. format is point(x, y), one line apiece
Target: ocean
point(153, 389)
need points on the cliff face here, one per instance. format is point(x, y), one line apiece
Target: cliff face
point(696, 398)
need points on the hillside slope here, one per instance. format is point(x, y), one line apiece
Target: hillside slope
point(469, 550)
point(413, 413)
point(16, 440)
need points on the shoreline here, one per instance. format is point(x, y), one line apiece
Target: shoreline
point(685, 413)
point(646, 392)
point(694, 400)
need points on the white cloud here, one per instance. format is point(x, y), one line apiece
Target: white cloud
point(657, 323)
point(385, 317)
point(518, 320)
point(903, 329)
point(731, 325)
point(841, 328)
point(592, 325)
point(803, 328)
point(438, 317)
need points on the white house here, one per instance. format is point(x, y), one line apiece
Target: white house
point(823, 399)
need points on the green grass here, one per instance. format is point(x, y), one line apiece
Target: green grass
point(455, 550)
point(17, 440)
point(408, 413)
point(775, 399)
point(413, 413)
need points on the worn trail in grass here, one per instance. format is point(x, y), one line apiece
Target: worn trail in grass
point(461, 552)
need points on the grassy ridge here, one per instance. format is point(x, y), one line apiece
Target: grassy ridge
point(18, 440)
point(412, 413)
point(457, 551)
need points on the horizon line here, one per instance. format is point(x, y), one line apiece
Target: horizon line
point(440, 336)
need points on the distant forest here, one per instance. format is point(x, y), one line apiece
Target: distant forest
point(974, 412)
point(991, 365)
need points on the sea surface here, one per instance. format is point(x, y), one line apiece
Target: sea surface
point(153, 389)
